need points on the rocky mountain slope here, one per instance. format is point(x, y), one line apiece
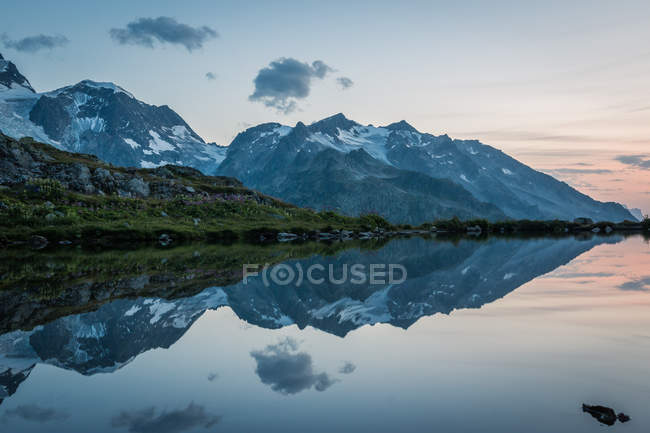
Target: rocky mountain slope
point(319, 165)
point(102, 119)
point(21, 162)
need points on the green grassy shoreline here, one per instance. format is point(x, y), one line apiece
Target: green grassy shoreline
point(67, 218)
point(49, 197)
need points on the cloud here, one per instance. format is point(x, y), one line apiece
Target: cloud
point(146, 420)
point(640, 161)
point(213, 376)
point(34, 413)
point(288, 371)
point(344, 82)
point(347, 368)
point(32, 44)
point(285, 81)
point(577, 170)
point(641, 284)
point(211, 76)
point(146, 31)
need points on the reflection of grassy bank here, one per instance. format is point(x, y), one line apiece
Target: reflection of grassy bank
point(38, 287)
point(187, 265)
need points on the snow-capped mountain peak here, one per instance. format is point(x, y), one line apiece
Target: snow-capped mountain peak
point(85, 85)
point(11, 80)
point(402, 125)
point(103, 119)
point(261, 156)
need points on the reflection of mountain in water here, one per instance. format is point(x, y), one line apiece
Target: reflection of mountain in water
point(442, 276)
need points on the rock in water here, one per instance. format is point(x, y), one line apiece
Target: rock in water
point(623, 418)
point(604, 415)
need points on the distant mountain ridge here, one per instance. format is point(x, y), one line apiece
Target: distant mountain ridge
point(335, 163)
point(317, 165)
point(102, 119)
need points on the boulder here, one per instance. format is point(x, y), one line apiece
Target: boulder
point(104, 180)
point(38, 242)
point(138, 187)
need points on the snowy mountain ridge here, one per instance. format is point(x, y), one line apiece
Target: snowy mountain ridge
point(102, 119)
point(487, 173)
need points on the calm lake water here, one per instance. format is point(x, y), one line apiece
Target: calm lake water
point(488, 336)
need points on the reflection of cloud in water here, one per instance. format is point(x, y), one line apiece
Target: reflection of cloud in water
point(288, 371)
point(146, 420)
point(347, 368)
point(35, 413)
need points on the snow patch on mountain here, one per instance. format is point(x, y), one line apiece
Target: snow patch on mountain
point(157, 144)
point(134, 145)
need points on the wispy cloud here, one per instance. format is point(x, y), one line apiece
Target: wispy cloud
point(344, 82)
point(33, 44)
point(641, 284)
point(577, 170)
point(286, 80)
point(165, 30)
point(640, 161)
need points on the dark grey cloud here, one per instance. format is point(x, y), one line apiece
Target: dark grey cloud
point(210, 76)
point(32, 44)
point(146, 420)
point(640, 161)
point(148, 31)
point(344, 82)
point(285, 81)
point(641, 284)
point(288, 371)
point(347, 368)
point(35, 413)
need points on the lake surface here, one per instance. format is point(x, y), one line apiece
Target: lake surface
point(498, 335)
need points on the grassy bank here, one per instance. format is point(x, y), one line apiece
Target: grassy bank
point(63, 216)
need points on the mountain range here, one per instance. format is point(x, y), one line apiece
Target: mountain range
point(101, 119)
point(336, 163)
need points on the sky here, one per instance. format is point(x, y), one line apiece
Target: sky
point(560, 85)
